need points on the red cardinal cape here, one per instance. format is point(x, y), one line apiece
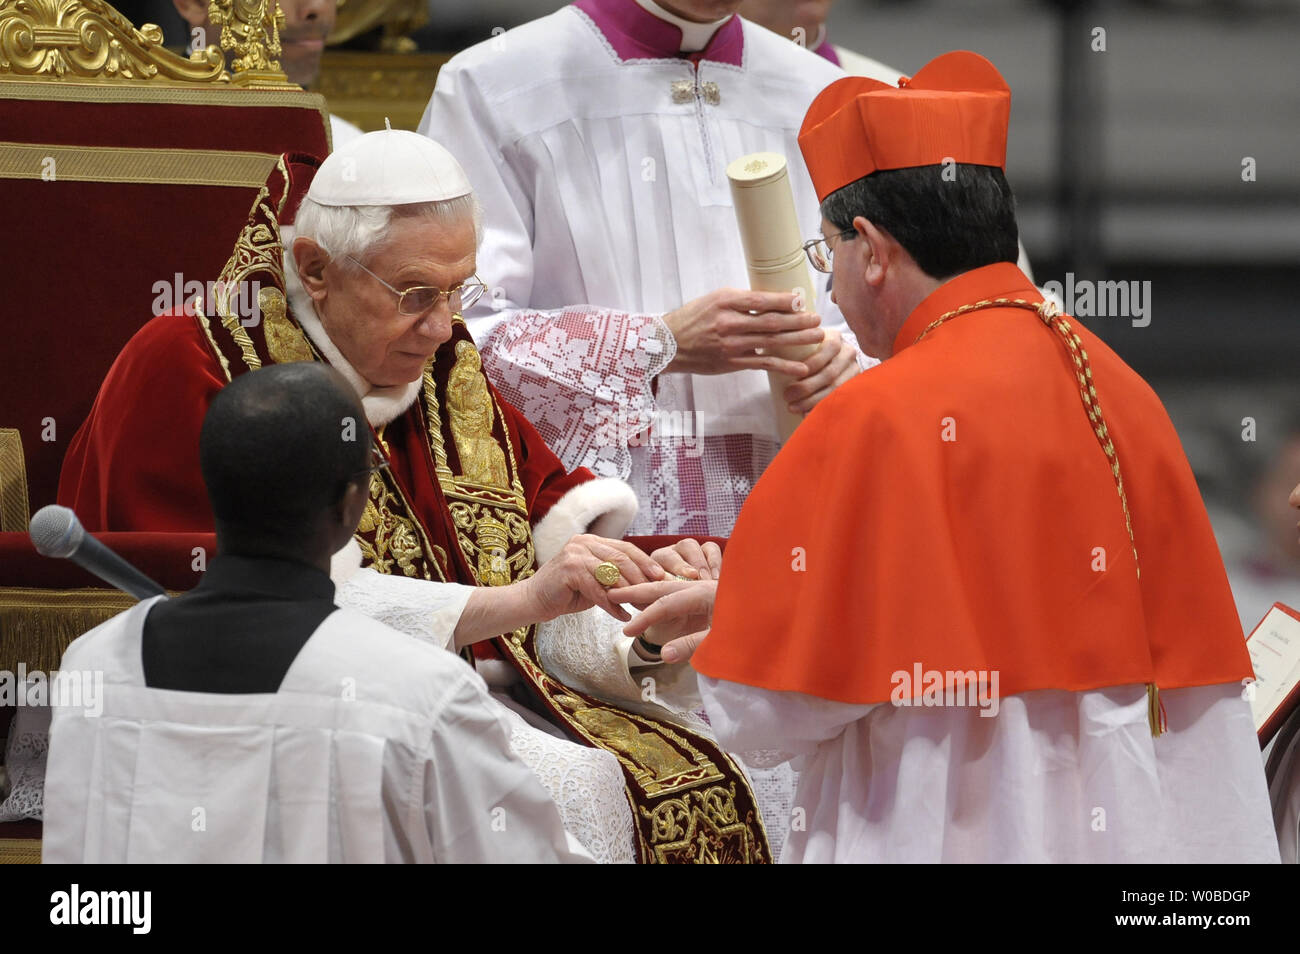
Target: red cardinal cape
point(953, 507)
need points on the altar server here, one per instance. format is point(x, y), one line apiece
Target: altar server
point(252, 720)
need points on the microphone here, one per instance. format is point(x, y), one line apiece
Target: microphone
point(56, 532)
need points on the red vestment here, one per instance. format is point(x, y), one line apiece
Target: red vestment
point(953, 508)
point(134, 462)
point(431, 515)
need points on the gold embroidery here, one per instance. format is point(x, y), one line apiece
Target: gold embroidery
point(486, 499)
point(387, 537)
point(662, 766)
point(646, 749)
point(212, 339)
point(485, 534)
point(284, 339)
point(469, 406)
point(701, 827)
point(257, 250)
point(654, 758)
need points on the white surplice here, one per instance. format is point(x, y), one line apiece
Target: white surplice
point(585, 650)
point(375, 749)
point(1054, 776)
point(606, 205)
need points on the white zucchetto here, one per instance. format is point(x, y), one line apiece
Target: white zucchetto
point(388, 167)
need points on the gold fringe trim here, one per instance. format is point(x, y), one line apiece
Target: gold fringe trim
point(198, 167)
point(20, 851)
point(37, 625)
point(15, 509)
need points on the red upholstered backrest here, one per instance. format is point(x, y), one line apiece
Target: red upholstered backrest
point(172, 560)
point(109, 190)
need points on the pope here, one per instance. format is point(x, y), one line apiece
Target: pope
point(1042, 661)
point(474, 537)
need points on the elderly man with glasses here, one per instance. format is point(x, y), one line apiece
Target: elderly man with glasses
point(472, 528)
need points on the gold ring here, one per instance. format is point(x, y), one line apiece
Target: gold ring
point(606, 573)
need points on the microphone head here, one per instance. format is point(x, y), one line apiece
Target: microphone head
point(56, 532)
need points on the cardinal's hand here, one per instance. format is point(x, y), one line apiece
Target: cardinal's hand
point(679, 609)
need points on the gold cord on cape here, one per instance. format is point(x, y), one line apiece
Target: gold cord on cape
point(1051, 316)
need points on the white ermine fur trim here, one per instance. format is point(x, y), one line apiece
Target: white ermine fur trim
point(604, 506)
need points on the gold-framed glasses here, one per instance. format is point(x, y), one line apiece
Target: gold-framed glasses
point(424, 298)
point(821, 251)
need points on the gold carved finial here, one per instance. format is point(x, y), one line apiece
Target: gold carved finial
point(250, 38)
point(87, 40)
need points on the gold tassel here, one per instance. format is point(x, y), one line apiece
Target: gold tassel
point(1155, 712)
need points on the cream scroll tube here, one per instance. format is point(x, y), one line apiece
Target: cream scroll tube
point(769, 233)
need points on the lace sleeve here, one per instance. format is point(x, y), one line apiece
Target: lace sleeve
point(29, 743)
point(582, 376)
point(428, 611)
point(588, 651)
point(586, 785)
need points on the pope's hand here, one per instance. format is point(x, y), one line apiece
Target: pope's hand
point(679, 609)
point(566, 583)
point(720, 332)
point(835, 362)
point(691, 559)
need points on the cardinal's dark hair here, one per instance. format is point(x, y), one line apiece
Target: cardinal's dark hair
point(950, 218)
point(278, 448)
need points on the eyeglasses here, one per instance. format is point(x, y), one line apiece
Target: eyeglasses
point(424, 298)
point(820, 251)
